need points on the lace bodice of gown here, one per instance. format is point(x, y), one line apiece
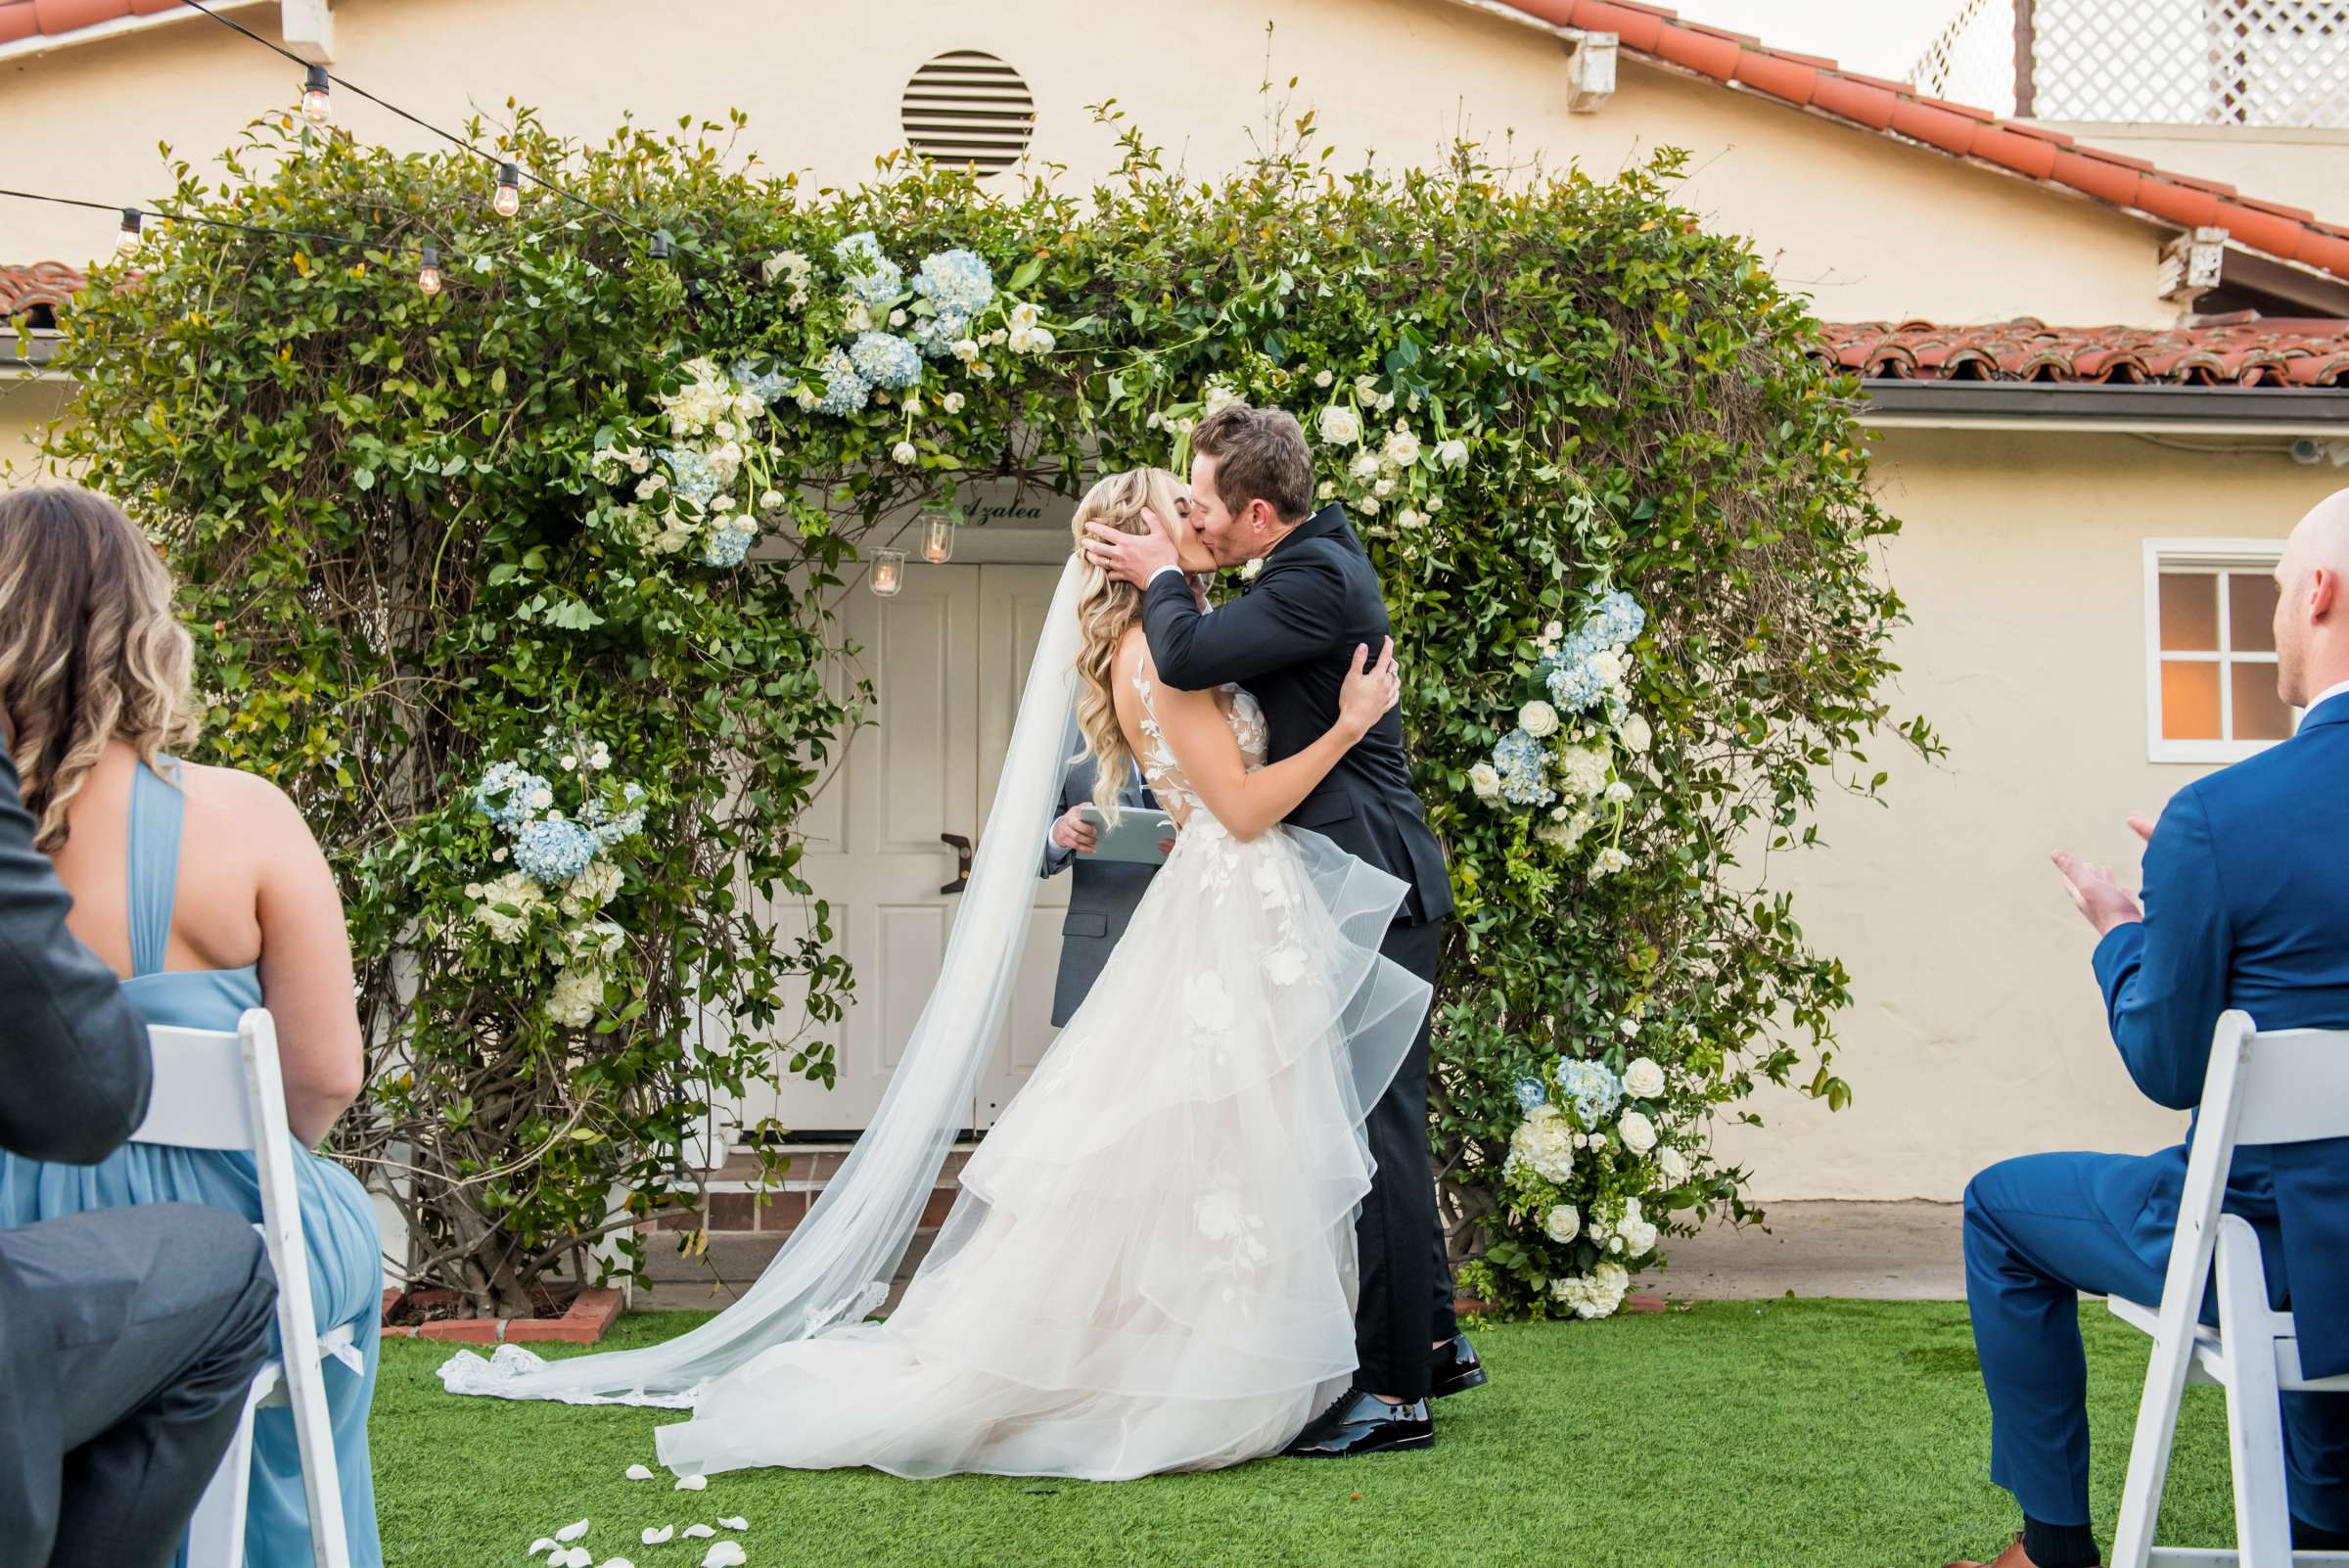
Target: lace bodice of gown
point(1165, 775)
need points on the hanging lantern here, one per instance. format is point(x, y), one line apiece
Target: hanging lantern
point(508, 199)
point(937, 536)
point(314, 86)
point(427, 276)
point(889, 572)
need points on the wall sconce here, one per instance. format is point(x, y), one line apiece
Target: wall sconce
point(937, 536)
point(889, 572)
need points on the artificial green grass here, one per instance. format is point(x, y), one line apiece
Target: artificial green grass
point(1810, 1434)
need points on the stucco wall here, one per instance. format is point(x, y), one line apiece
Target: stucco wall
point(1977, 1030)
point(1874, 229)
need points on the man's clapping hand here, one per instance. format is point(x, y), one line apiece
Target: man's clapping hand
point(2100, 900)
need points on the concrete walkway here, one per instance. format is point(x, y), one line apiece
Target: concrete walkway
point(1874, 1251)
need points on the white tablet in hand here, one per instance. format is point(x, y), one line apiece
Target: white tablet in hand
point(1136, 837)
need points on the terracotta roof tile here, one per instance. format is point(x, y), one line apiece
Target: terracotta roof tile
point(2243, 350)
point(17, 21)
point(41, 283)
point(1899, 108)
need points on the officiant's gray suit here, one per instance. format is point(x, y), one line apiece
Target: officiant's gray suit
point(1104, 894)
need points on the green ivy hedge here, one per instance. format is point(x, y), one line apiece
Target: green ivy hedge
point(465, 571)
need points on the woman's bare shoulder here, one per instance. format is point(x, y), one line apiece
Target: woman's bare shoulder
point(241, 802)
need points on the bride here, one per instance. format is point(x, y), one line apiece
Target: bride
point(1151, 1262)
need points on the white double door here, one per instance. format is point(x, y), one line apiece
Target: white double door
point(947, 658)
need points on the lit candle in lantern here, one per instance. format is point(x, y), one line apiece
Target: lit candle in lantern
point(937, 536)
point(889, 572)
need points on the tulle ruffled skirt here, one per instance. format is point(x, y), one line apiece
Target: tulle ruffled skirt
point(1151, 1265)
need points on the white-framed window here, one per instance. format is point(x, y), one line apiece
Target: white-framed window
point(2210, 650)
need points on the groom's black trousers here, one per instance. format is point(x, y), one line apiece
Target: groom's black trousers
point(1405, 1303)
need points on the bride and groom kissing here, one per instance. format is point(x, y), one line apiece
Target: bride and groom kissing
point(1206, 1229)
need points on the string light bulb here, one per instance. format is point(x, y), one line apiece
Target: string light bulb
point(661, 245)
point(315, 85)
point(427, 276)
point(129, 239)
point(508, 199)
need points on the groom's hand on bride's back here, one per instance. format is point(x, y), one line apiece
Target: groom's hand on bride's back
point(1133, 558)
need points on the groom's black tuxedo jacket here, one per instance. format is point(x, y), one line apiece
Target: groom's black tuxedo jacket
point(1290, 641)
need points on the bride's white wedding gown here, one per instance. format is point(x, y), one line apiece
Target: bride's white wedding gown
point(1151, 1265)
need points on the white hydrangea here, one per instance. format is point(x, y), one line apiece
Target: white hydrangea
point(1565, 834)
point(1537, 719)
point(1340, 425)
point(1582, 771)
point(1638, 1133)
point(1636, 1233)
point(577, 993)
point(1543, 1144)
point(1597, 1294)
point(1562, 1223)
point(1636, 734)
point(1485, 781)
point(517, 892)
point(1643, 1080)
point(594, 887)
point(1672, 1166)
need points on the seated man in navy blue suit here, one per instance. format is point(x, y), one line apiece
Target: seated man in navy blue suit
point(2246, 905)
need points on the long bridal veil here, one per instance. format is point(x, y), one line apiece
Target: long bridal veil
point(838, 1260)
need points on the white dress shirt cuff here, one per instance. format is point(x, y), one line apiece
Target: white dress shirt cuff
point(1160, 572)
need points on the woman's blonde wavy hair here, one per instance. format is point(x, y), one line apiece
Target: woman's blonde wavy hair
point(89, 648)
point(1105, 607)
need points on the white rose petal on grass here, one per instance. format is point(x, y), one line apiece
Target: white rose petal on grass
point(542, 1544)
point(638, 1472)
point(693, 1483)
point(698, 1532)
point(571, 1532)
point(654, 1537)
point(738, 1522)
point(1643, 1080)
point(617, 1562)
point(725, 1554)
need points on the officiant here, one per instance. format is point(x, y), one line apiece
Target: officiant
point(1105, 892)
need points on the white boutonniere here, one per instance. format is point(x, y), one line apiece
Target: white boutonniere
point(1248, 573)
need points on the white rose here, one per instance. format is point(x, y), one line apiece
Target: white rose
point(1643, 1080)
point(903, 453)
point(1384, 487)
point(1369, 505)
point(1486, 781)
point(1408, 519)
point(951, 402)
point(1537, 719)
point(1321, 378)
point(1672, 1166)
point(896, 318)
point(1366, 387)
point(1363, 466)
point(1619, 793)
point(1452, 453)
point(1636, 734)
point(1023, 317)
point(1340, 425)
point(966, 349)
point(1329, 489)
point(1562, 1223)
point(1638, 1133)
point(1402, 449)
point(1041, 340)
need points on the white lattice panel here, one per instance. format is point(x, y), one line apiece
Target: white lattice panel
point(2165, 62)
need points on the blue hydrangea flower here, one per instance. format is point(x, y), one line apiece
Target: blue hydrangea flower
point(551, 853)
point(766, 387)
point(885, 360)
point(957, 281)
point(1594, 1092)
point(509, 794)
point(1616, 620)
point(1520, 762)
point(1531, 1092)
point(1574, 687)
point(868, 275)
point(936, 336)
point(693, 478)
point(729, 541)
point(844, 390)
point(610, 827)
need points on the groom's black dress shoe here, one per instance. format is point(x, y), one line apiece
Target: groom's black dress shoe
point(1363, 1423)
point(1455, 1368)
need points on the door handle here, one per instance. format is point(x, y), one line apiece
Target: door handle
point(962, 861)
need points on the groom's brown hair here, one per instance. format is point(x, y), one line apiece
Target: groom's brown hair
point(1260, 454)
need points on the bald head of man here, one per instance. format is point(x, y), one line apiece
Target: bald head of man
point(2312, 604)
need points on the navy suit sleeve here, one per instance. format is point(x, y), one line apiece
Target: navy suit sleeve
point(1295, 613)
point(1056, 858)
point(2165, 979)
point(74, 1065)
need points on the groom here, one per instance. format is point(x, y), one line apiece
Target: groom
point(1291, 642)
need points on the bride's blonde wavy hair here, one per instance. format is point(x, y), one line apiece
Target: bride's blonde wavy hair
point(1105, 607)
point(89, 648)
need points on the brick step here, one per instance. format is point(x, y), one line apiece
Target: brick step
point(736, 1201)
point(732, 1264)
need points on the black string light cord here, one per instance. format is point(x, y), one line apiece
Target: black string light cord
point(344, 240)
point(415, 119)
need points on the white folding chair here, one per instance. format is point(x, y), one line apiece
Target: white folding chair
point(224, 1092)
point(2286, 1087)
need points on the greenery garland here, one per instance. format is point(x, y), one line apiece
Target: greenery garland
point(525, 589)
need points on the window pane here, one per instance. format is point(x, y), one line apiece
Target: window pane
point(2189, 700)
point(2189, 614)
point(2250, 614)
point(2259, 713)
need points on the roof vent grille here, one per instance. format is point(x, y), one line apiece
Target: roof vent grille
point(968, 107)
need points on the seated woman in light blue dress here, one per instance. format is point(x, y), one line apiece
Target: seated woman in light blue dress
point(205, 890)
